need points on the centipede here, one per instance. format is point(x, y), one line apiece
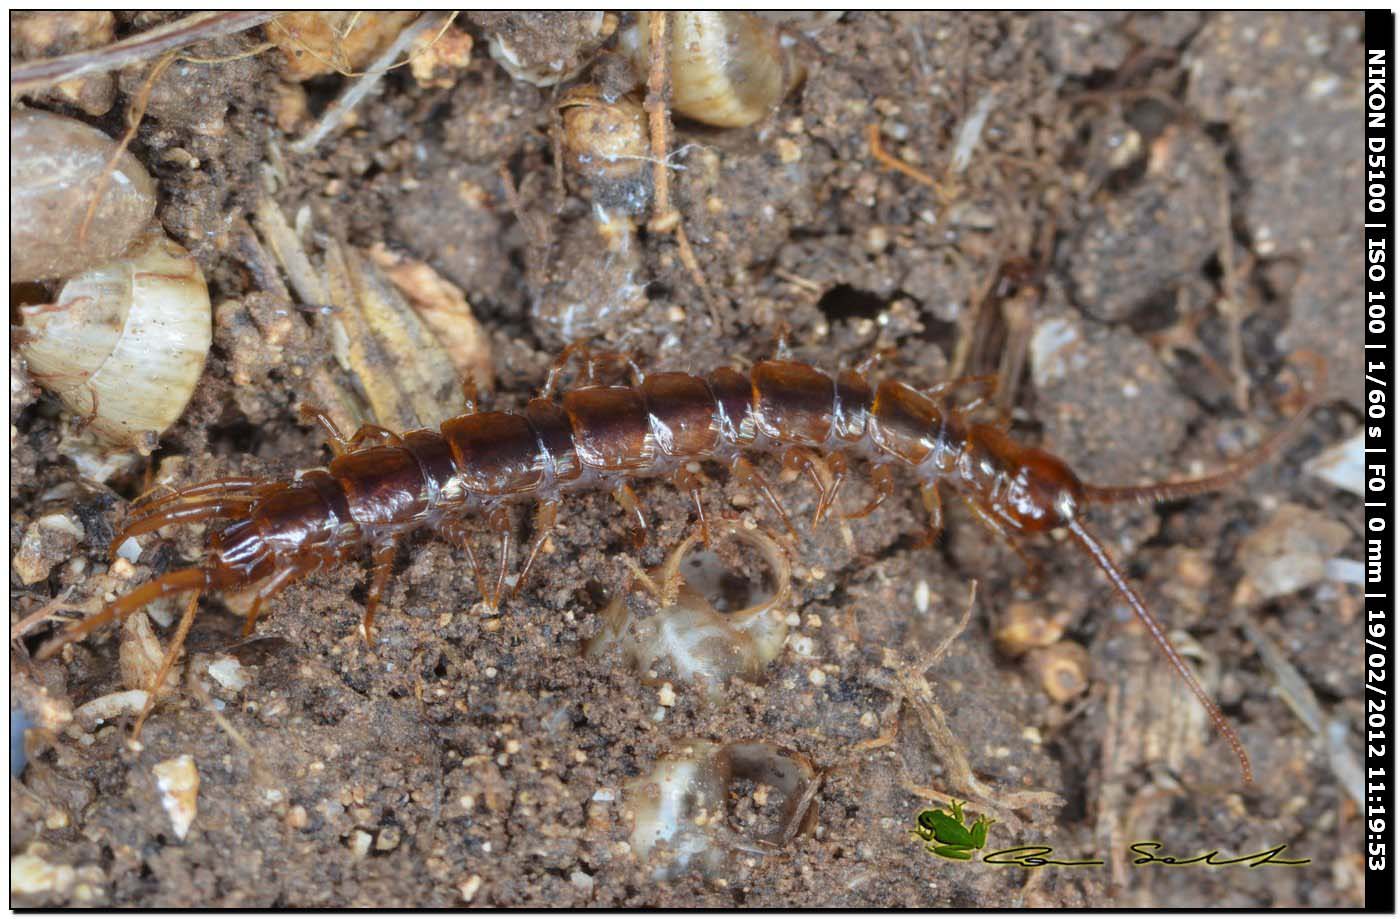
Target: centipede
point(382, 486)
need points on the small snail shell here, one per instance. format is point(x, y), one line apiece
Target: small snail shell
point(604, 139)
point(124, 344)
point(56, 166)
point(701, 644)
point(1062, 669)
point(727, 69)
point(688, 792)
point(1024, 626)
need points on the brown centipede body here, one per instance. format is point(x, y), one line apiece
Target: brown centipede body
point(381, 486)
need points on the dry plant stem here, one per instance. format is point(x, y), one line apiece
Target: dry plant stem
point(36, 75)
point(366, 81)
point(665, 218)
point(176, 644)
point(912, 687)
point(890, 161)
point(40, 615)
point(1232, 307)
point(133, 118)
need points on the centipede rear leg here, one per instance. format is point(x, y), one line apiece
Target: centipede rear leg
point(1034, 570)
point(194, 512)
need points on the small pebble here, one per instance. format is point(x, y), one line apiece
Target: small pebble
point(228, 673)
point(31, 875)
point(1342, 465)
point(178, 781)
point(360, 842)
point(469, 887)
point(388, 839)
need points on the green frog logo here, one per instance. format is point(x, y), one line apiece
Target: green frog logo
point(947, 834)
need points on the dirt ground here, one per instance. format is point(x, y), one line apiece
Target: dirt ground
point(1156, 211)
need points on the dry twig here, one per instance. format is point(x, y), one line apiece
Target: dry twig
point(30, 76)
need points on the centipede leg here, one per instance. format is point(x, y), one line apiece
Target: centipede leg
point(801, 459)
point(986, 385)
point(274, 586)
point(311, 414)
point(383, 559)
point(744, 471)
point(337, 441)
point(627, 500)
point(691, 482)
point(840, 469)
point(556, 368)
point(177, 642)
point(455, 532)
point(882, 480)
point(372, 432)
point(933, 503)
point(546, 515)
point(985, 517)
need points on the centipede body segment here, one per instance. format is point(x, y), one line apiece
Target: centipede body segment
point(380, 486)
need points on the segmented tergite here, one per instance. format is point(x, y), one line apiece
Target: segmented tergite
point(381, 486)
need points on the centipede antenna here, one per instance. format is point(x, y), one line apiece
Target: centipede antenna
point(1095, 550)
point(173, 582)
point(1233, 472)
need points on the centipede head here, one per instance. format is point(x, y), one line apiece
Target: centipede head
point(1038, 491)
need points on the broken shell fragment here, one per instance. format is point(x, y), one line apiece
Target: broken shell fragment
point(701, 643)
point(318, 43)
point(683, 803)
point(544, 48)
point(178, 781)
point(46, 542)
point(57, 170)
point(124, 345)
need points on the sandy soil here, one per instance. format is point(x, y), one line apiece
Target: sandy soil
point(1156, 213)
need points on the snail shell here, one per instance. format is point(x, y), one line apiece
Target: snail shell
point(703, 645)
point(690, 788)
point(124, 344)
point(56, 166)
point(604, 139)
point(727, 69)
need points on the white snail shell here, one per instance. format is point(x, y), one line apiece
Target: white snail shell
point(727, 69)
point(702, 645)
point(56, 167)
point(694, 782)
point(125, 343)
